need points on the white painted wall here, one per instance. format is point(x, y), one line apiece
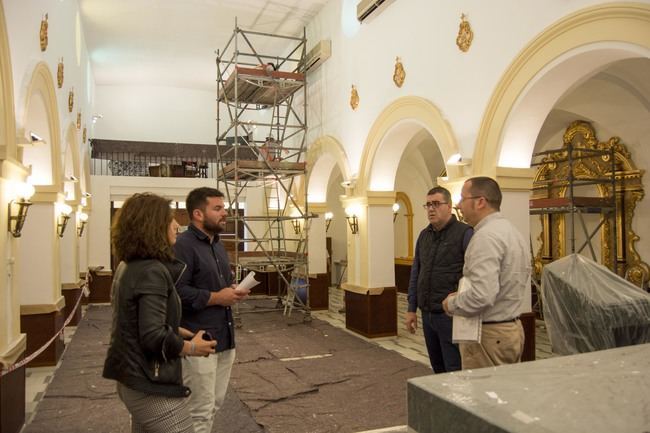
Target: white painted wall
point(23, 21)
point(107, 188)
point(422, 33)
point(38, 276)
point(161, 114)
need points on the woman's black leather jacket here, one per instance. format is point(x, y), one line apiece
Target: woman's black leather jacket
point(144, 352)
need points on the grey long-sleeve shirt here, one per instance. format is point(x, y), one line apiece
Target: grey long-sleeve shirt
point(497, 268)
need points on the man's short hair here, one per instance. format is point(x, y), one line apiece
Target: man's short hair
point(488, 188)
point(198, 199)
point(440, 190)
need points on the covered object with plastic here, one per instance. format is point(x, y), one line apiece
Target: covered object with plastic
point(587, 307)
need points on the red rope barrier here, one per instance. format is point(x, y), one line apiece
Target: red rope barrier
point(54, 337)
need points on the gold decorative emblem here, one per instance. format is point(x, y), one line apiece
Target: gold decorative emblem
point(399, 74)
point(43, 33)
point(354, 98)
point(78, 120)
point(59, 73)
point(83, 136)
point(70, 100)
point(465, 35)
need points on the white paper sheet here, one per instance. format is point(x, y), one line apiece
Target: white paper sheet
point(466, 329)
point(247, 283)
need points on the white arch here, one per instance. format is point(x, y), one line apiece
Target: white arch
point(558, 59)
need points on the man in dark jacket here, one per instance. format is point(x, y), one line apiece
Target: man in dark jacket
point(207, 292)
point(437, 268)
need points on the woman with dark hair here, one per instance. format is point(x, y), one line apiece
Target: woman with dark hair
point(147, 343)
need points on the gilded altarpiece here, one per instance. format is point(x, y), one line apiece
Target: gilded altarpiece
point(628, 192)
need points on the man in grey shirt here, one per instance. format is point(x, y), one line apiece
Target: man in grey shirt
point(496, 273)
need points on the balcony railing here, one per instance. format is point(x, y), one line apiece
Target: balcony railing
point(138, 158)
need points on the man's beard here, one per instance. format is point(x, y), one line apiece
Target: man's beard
point(213, 228)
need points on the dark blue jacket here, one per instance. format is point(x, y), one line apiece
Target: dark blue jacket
point(437, 265)
point(208, 270)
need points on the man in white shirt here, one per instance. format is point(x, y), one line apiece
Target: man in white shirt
point(496, 271)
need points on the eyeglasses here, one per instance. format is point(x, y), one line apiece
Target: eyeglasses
point(469, 198)
point(433, 204)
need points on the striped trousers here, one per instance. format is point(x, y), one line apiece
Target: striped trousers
point(156, 413)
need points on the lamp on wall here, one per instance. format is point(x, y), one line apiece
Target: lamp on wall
point(328, 220)
point(63, 210)
point(353, 219)
point(395, 210)
point(296, 226)
point(18, 207)
point(83, 220)
point(458, 160)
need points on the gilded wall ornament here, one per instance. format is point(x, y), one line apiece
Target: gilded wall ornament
point(43, 33)
point(59, 73)
point(70, 100)
point(78, 120)
point(354, 98)
point(465, 34)
point(83, 136)
point(617, 249)
point(400, 74)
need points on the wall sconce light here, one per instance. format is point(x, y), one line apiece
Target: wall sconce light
point(64, 211)
point(18, 208)
point(328, 220)
point(395, 210)
point(353, 219)
point(83, 220)
point(296, 226)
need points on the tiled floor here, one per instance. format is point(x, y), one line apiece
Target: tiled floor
point(410, 346)
point(37, 379)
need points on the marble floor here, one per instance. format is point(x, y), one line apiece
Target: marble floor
point(410, 346)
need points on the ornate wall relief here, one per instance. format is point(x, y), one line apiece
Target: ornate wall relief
point(465, 34)
point(43, 33)
point(59, 73)
point(552, 182)
point(354, 98)
point(399, 74)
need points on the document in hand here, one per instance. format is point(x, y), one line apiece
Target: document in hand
point(466, 329)
point(247, 283)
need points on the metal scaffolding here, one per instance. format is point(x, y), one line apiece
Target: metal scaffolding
point(261, 138)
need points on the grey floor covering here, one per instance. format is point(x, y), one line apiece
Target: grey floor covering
point(289, 376)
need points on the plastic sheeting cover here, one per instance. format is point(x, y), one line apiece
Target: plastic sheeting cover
point(587, 307)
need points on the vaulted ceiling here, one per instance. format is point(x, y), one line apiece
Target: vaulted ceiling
point(173, 42)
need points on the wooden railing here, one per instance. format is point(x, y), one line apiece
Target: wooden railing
point(138, 158)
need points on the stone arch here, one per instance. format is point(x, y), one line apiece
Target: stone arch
point(323, 156)
point(391, 133)
point(40, 115)
point(568, 52)
point(7, 115)
point(71, 168)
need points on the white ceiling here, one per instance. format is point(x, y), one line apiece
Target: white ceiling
point(173, 42)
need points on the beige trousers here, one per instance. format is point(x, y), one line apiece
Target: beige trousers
point(501, 343)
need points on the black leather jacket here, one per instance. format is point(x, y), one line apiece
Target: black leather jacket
point(145, 345)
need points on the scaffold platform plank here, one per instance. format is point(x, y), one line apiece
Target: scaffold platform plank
point(256, 86)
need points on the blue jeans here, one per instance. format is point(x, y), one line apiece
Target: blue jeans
point(443, 354)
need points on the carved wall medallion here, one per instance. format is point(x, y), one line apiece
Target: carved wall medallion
point(629, 191)
point(59, 73)
point(465, 34)
point(43, 33)
point(70, 100)
point(399, 74)
point(84, 136)
point(78, 120)
point(354, 98)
